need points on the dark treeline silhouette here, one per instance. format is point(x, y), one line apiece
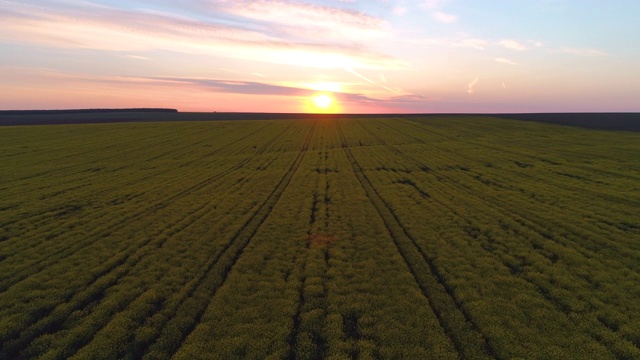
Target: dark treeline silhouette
point(604, 121)
point(85, 111)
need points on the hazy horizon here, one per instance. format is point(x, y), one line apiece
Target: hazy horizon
point(347, 56)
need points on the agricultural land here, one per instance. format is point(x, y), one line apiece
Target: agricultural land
point(446, 237)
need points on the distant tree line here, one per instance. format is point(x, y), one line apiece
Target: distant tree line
point(605, 121)
point(85, 111)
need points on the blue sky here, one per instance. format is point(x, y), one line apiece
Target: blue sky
point(275, 55)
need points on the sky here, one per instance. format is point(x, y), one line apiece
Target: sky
point(349, 56)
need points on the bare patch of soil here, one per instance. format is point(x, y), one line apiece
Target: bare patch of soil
point(321, 239)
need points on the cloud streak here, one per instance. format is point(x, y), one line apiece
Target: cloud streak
point(513, 45)
point(505, 61)
point(308, 21)
point(164, 84)
point(352, 71)
point(254, 88)
point(234, 87)
point(472, 85)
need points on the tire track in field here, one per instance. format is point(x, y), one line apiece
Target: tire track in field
point(458, 325)
point(292, 339)
point(522, 220)
point(301, 258)
point(319, 347)
point(111, 273)
point(176, 329)
point(120, 223)
point(319, 343)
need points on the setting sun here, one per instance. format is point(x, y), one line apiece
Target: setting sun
point(322, 103)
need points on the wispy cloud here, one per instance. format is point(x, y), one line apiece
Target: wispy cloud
point(352, 71)
point(408, 98)
point(137, 57)
point(242, 73)
point(505, 61)
point(472, 85)
point(307, 21)
point(513, 45)
point(254, 88)
point(90, 26)
point(166, 83)
point(236, 87)
point(478, 44)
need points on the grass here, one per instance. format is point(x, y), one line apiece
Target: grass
point(451, 237)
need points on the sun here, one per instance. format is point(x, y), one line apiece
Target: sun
point(322, 103)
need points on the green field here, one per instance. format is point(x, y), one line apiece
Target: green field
point(446, 238)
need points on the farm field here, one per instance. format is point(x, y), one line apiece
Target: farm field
point(443, 238)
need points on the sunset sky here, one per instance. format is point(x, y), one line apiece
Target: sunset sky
point(371, 56)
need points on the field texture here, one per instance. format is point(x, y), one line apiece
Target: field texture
point(471, 238)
